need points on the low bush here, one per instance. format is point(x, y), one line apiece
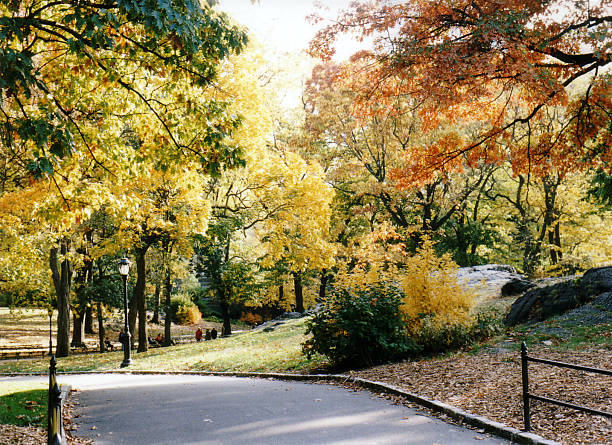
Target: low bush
point(183, 310)
point(434, 336)
point(366, 326)
point(251, 319)
point(359, 327)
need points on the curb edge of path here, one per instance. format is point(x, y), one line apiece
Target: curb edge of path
point(490, 426)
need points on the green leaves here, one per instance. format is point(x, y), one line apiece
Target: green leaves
point(90, 57)
point(17, 70)
point(40, 167)
point(360, 327)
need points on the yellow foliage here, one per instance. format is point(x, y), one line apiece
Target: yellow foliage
point(429, 283)
point(431, 288)
point(188, 315)
point(375, 257)
point(298, 229)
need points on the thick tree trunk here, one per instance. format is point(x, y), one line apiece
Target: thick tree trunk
point(558, 242)
point(132, 315)
point(89, 320)
point(299, 295)
point(78, 328)
point(101, 330)
point(156, 303)
point(141, 302)
point(281, 295)
point(62, 281)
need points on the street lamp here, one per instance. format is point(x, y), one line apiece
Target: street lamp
point(124, 270)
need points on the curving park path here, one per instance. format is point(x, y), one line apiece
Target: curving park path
point(190, 409)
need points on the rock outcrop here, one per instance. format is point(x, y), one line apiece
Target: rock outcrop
point(493, 276)
point(516, 286)
point(543, 302)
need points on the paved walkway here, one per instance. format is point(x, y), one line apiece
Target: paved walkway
point(188, 410)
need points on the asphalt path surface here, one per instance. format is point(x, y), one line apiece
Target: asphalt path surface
point(188, 410)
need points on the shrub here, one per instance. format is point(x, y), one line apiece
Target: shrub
point(434, 300)
point(188, 315)
point(435, 337)
point(207, 307)
point(250, 318)
point(360, 327)
point(183, 310)
point(487, 324)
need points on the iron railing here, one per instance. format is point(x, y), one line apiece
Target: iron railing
point(527, 396)
point(55, 426)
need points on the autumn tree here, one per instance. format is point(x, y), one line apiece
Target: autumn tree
point(547, 223)
point(164, 209)
point(365, 159)
point(101, 287)
point(107, 46)
point(74, 74)
point(485, 58)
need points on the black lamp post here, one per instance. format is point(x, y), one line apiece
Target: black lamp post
point(124, 270)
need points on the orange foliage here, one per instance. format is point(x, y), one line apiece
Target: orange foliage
point(522, 80)
point(251, 318)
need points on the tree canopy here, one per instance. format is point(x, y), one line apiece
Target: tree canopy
point(500, 63)
point(74, 72)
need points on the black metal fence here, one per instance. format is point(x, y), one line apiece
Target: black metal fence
point(527, 396)
point(55, 426)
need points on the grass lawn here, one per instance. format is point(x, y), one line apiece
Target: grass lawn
point(23, 404)
point(21, 327)
point(280, 350)
point(276, 351)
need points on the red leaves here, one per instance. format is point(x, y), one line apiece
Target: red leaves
point(506, 64)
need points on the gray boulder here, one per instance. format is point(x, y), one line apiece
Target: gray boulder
point(597, 311)
point(490, 276)
point(516, 286)
point(596, 281)
point(544, 302)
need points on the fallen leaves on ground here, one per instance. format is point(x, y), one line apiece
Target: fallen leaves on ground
point(30, 435)
point(490, 385)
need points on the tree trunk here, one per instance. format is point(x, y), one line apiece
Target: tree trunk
point(101, 330)
point(139, 296)
point(226, 331)
point(323, 285)
point(299, 296)
point(551, 223)
point(167, 291)
point(89, 320)
point(226, 294)
point(62, 280)
point(281, 296)
point(77, 328)
point(132, 314)
point(156, 302)
point(558, 242)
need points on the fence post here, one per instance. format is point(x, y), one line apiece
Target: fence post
point(525, 373)
point(55, 426)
